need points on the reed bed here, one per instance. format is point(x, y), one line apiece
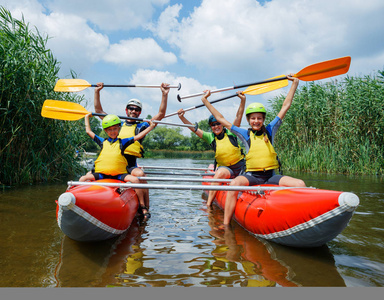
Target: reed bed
point(32, 148)
point(335, 127)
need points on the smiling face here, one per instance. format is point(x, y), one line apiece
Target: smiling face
point(256, 120)
point(133, 111)
point(113, 131)
point(216, 127)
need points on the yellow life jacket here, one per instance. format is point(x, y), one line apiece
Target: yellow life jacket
point(111, 161)
point(135, 149)
point(226, 153)
point(261, 155)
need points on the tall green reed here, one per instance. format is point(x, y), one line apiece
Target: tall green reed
point(32, 148)
point(335, 127)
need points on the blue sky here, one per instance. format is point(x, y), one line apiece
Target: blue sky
point(201, 44)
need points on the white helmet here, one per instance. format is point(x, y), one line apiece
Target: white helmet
point(135, 102)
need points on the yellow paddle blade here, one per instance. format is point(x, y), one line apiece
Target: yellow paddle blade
point(325, 69)
point(267, 87)
point(63, 110)
point(71, 85)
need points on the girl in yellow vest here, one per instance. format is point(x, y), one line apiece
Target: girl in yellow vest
point(261, 157)
point(228, 154)
point(111, 162)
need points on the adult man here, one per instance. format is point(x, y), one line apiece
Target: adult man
point(131, 128)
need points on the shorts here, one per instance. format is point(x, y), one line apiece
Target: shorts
point(105, 176)
point(236, 169)
point(262, 177)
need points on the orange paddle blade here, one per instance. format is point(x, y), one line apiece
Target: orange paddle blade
point(63, 110)
point(71, 85)
point(267, 87)
point(325, 69)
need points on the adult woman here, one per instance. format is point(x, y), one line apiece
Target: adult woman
point(228, 154)
point(261, 158)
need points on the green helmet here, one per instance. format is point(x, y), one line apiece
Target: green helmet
point(110, 120)
point(255, 107)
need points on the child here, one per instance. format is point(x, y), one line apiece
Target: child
point(111, 162)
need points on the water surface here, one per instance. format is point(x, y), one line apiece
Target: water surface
point(181, 245)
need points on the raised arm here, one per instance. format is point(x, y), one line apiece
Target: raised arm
point(96, 99)
point(164, 99)
point(219, 117)
point(88, 129)
point(183, 119)
point(142, 134)
point(288, 100)
point(240, 111)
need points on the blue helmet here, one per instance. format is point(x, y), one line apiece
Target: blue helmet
point(211, 119)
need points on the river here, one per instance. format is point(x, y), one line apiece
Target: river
point(180, 245)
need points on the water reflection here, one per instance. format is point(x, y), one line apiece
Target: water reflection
point(91, 264)
point(269, 264)
point(236, 259)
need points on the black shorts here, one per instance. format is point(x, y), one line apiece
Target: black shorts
point(236, 169)
point(104, 176)
point(262, 177)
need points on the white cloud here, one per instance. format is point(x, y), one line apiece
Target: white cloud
point(110, 15)
point(72, 41)
point(278, 36)
point(139, 52)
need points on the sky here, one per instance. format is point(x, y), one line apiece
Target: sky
point(206, 44)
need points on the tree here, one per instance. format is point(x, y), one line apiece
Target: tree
point(164, 137)
point(198, 144)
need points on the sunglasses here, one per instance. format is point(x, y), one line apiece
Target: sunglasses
point(215, 124)
point(134, 108)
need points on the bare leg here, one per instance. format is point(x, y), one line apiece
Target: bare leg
point(144, 193)
point(290, 181)
point(88, 176)
point(221, 173)
point(230, 202)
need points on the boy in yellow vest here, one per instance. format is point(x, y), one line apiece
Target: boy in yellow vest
point(111, 162)
point(131, 128)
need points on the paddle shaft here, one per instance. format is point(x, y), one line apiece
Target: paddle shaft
point(184, 174)
point(232, 88)
point(178, 87)
point(201, 105)
point(174, 168)
point(146, 120)
point(184, 179)
point(185, 187)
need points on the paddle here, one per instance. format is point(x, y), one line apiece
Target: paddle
point(187, 187)
point(313, 72)
point(77, 85)
point(257, 88)
point(252, 90)
point(70, 111)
